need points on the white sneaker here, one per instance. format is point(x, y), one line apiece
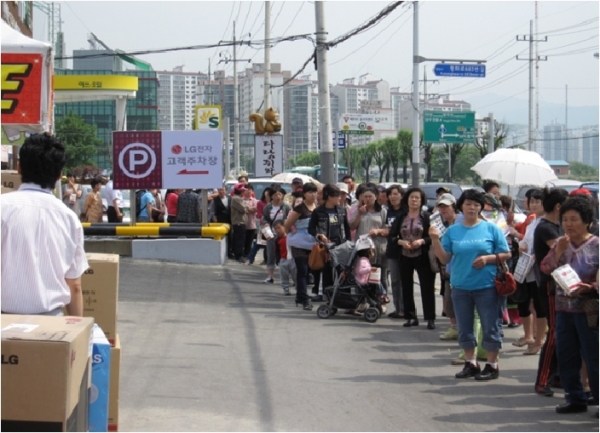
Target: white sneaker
point(269, 280)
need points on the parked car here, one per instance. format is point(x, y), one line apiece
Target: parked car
point(566, 184)
point(430, 187)
point(386, 185)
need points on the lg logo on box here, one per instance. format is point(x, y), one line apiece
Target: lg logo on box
point(10, 360)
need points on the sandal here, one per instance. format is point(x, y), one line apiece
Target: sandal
point(532, 350)
point(521, 342)
point(353, 313)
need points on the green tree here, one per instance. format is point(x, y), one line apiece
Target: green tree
point(455, 150)
point(307, 159)
point(80, 140)
point(579, 169)
point(500, 133)
point(380, 158)
point(366, 159)
point(405, 140)
point(391, 148)
point(428, 156)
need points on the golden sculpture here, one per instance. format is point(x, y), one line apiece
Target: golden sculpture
point(270, 125)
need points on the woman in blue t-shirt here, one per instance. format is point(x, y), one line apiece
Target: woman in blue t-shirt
point(472, 246)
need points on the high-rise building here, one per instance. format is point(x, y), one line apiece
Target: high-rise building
point(396, 98)
point(96, 60)
point(177, 98)
point(590, 147)
point(218, 91)
point(299, 118)
point(142, 112)
point(555, 144)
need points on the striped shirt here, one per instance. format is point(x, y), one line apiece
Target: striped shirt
point(42, 244)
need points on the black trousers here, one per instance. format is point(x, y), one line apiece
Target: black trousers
point(408, 265)
point(111, 213)
point(250, 236)
point(239, 236)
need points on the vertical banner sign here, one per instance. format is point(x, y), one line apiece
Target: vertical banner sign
point(21, 88)
point(268, 155)
point(167, 159)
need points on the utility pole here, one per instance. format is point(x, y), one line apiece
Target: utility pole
point(236, 108)
point(267, 65)
point(324, 101)
point(491, 142)
point(210, 98)
point(416, 154)
point(226, 156)
point(425, 81)
point(531, 59)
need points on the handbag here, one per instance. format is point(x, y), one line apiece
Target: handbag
point(521, 294)
point(504, 281)
point(318, 257)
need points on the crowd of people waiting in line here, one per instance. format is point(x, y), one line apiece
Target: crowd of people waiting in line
point(478, 229)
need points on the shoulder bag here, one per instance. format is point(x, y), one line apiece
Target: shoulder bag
point(318, 257)
point(505, 282)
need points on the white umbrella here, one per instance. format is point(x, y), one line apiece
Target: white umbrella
point(515, 167)
point(288, 177)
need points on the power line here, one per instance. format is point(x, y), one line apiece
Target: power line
point(568, 45)
point(258, 42)
point(277, 16)
point(226, 28)
point(381, 31)
point(293, 19)
point(373, 21)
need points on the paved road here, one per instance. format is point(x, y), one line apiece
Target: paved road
point(214, 349)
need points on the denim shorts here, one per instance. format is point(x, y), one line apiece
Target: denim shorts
point(487, 303)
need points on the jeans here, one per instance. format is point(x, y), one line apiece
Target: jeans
point(448, 299)
point(287, 272)
point(576, 340)
point(396, 283)
point(254, 250)
point(143, 219)
point(487, 303)
point(301, 278)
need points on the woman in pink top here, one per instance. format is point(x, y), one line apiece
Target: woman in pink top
point(171, 198)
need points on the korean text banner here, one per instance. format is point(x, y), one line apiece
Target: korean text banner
point(167, 159)
point(268, 155)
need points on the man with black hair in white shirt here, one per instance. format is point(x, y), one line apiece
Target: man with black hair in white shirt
point(42, 240)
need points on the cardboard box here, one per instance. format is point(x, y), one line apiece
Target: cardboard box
point(113, 399)
point(11, 180)
point(98, 407)
point(46, 367)
point(100, 287)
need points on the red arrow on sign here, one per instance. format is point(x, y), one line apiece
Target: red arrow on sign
point(186, 171)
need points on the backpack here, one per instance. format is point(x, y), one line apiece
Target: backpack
point(138, 201)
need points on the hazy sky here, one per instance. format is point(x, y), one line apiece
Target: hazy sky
point(479, 30)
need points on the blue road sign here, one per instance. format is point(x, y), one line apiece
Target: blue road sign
point(459, 70)
point(336, 137)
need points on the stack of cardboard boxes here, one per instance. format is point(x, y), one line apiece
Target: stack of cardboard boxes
point(100, 286)
point(45, 372)
point(11, 181)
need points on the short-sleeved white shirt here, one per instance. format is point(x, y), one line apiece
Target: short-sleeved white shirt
point(114, 194)
point(42, 244)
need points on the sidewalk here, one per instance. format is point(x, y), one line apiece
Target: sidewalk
point(215, 349)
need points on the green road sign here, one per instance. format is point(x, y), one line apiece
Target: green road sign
point(448, 126)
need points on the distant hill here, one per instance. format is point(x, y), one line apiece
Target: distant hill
point(516, 111)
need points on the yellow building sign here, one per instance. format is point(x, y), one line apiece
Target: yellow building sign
point(95, 82)
point(208, 117)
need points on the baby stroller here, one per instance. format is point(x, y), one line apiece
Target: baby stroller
point(346, 293)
